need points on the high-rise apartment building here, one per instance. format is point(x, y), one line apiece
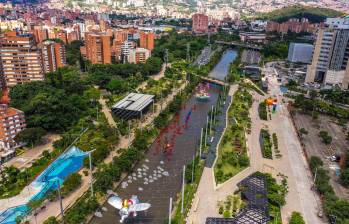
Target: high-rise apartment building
point(146, 40)
point(53, 55)
point(12, 122)
point(98, 48)
point(330, 57)
point(20, 59)
point(40, 33)
point(120, 35)
point(139, 55)
point(200, 23)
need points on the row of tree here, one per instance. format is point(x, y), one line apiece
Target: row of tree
point(336, 209)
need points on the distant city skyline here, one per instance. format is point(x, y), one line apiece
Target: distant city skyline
point(185, 8)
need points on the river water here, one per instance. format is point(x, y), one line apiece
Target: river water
point(221, 70)
point(159, 176)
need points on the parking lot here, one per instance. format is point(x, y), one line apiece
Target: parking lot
point(315, 147)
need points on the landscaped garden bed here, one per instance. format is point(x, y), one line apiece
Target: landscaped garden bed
point(232, 151)
point(266, 144)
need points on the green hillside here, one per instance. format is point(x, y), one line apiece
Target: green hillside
point(314, 14)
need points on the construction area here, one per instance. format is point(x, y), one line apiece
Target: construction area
point(329, 153)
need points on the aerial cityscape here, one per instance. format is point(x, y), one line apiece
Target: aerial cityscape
point(178, 112)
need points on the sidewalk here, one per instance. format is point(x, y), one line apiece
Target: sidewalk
point(32, 154)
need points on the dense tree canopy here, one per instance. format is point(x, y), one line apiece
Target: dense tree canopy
point(176, 44)
point(30, 136)
point(314, 14)
point(108, 76)
point(53, 104)
point(275, 50)
point(73, 52)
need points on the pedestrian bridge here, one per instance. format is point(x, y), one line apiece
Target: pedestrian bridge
point(238, 44)
point(213, 80)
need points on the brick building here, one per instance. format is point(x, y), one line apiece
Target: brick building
point(98, 48)
point(146, 40)
point(200, 23)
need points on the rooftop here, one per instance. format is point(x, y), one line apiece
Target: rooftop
point(132, 105)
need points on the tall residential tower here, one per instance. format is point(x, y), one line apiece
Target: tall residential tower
point(20, 59)
point(331, 53)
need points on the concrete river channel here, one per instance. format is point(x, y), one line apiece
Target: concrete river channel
point(159, 176)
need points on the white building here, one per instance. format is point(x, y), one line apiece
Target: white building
point(126, 47)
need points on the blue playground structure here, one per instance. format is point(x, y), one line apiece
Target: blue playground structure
point(67, 163)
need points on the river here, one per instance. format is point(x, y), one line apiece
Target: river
point(221, 70)
point(158, 177)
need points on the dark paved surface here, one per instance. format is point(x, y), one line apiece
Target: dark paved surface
point(211, 155)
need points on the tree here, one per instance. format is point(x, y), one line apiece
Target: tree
point(296, 218)
point(313, 94)
point(92, 93)
point(51, 220)
point(345, 177)
point(72, 182)
point(73, 52)
point(55, 103)
point(244, 161)
point(303, 131)
point(315, 162)
point(117, 86)
point(30, 136)
point(326, 138)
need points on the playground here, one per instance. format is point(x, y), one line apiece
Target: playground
point(50, 179)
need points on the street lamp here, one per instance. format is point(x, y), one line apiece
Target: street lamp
point(91, 176)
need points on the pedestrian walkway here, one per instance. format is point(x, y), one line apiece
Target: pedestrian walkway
point(32, 154)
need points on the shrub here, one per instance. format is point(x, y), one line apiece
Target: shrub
point(72, 182)
point(296, 218)
point(244, 161)
point(51, 220)
point(266, 144)
point(303, 131)
point(226, 214)
point(262, 111)
point(326, 138)
point(315, 162)
point(275, 141)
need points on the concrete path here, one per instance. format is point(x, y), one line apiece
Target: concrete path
point(107, 112)
point(293, 164)
point(155, 77)
point(31, 154)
